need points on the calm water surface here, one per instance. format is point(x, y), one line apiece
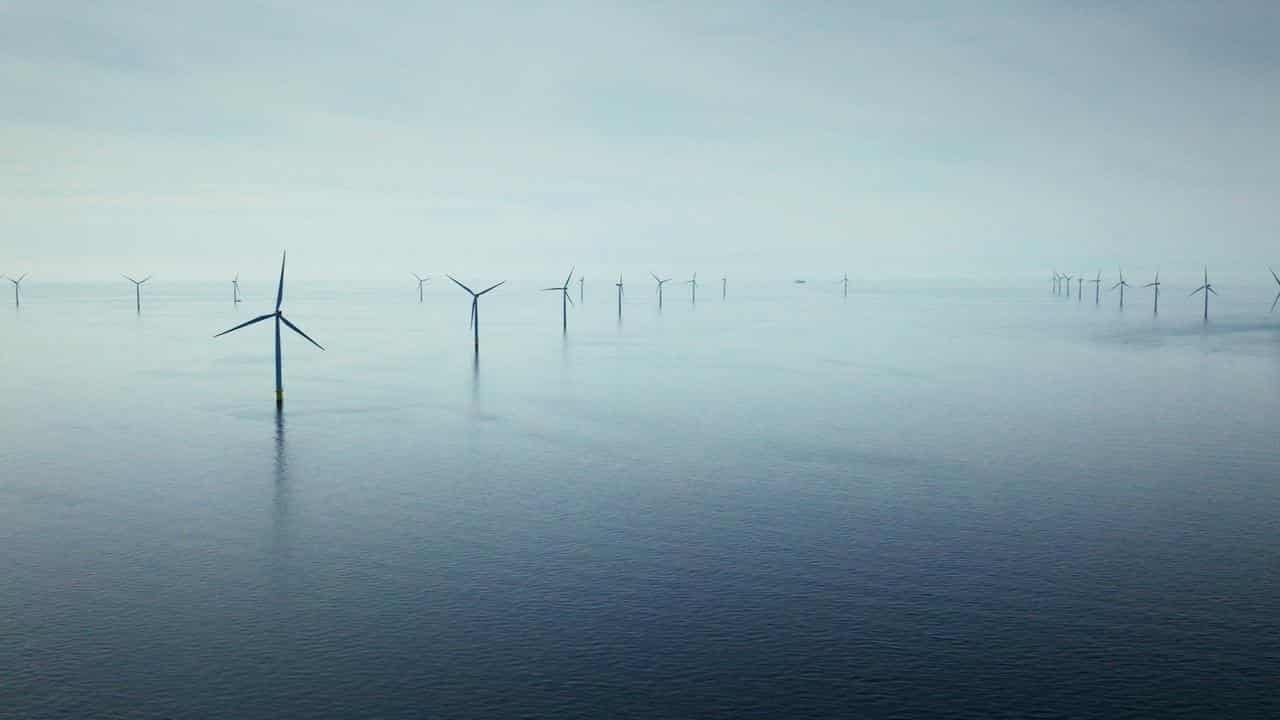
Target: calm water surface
point(969, 503)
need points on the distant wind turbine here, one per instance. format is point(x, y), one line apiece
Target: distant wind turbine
point(1206, 288)
point(475, 306)
point(1097, 289)
point(137, 289)
point(582, 280)
point(661, 282)
point(1067, 285)
point(235, 288)
point(693, 288)
point(1080, 289)
point(1277, 300)
point(724, 287)
point(279, 318)
point(619, 284)
point(1155, 284)
point(1122, 285)
point(1056, 288)
point(421, 281)
point(565, 300)
point(17, 287)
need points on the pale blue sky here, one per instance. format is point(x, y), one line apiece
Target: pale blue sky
point(185, 138)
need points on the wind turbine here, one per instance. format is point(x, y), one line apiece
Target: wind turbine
point(1080, 289)
point(1056, 288)
point(279, 318)
point(1097, 289)
point(581, 281)
point(661, 282)
point(565, 300)
point(235, 288)
point(421, 280)
point(1277, 300)
point(1067, 278)
point(724, 287)
point(1122, 285)
point(1156, 285)
point(137, 289)
point(619, 284)
point(17, 286)
point(1207, 288)
point(475, 306)
point(845, 282)
point(693, 288)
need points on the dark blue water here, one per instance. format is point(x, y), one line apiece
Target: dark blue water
point(908, 504)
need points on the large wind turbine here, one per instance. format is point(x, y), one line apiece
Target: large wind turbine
point(17, 286)
point(565, 300)
point(137, 289)
point(619, 284)
point(421, 280)
point(661, 282)
point(1206, 288)
point(1277, 300)
point(1155, 284)
point(1122, 285)
point(1097, 289)
point(235, 288)
point(279, 318)
point(475, 306)
point(693, 288)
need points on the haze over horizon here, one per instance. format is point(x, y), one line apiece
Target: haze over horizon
point(188, 140)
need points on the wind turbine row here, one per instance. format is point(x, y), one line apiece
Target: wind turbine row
point(1062, 280)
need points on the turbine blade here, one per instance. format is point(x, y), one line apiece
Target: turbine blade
point(568, 297)
point(260, 318)
point(1215, 292)
point(491, 287)
point(280, 290)
point(570, 276)
point(298, 330)
point(1273, 302)
point(455, 280)
point(550, 289)
point(1274, 275)
point(471, 320)
point(1197, 290)
point(145, 279)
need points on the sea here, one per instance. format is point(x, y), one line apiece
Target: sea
point(911, 502)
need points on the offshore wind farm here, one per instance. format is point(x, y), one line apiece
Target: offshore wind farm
point(897, 473)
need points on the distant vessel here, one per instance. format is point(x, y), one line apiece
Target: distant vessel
point(800, 282)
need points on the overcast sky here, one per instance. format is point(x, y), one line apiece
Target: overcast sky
point(198, 138)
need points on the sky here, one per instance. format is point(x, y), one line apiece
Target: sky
point(196, 139)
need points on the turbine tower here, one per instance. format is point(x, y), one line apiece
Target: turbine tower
point(422, 280)
point(1122, 285)
point(661, 282)
point(581, 282)
point(1206, 288)
point(693, 288)
point(565, 301)
point(235, 288)
point(1080, 289)
point(279, 317)
point(475, 307)
point(137, 289)
point(17, 287)
point(724, 287)
point(1067, 285)
point(845, 282)
point(1155, 284)
point(1097, 289)
point(619, 284)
